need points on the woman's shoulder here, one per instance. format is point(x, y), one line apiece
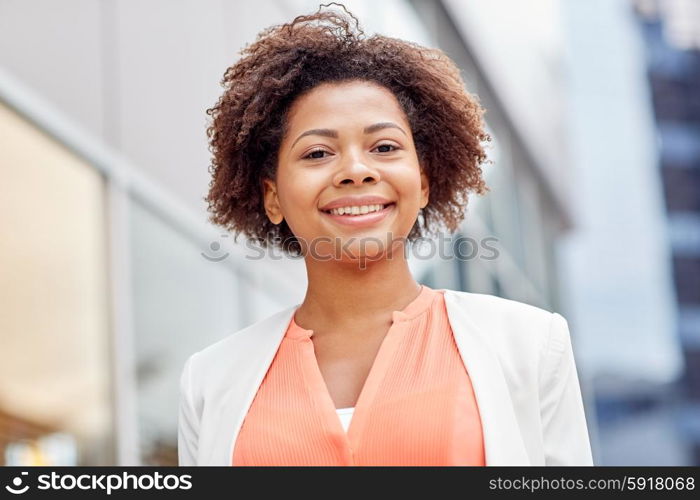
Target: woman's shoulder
point(493, 308)
point(241, 343)
point(513, 327)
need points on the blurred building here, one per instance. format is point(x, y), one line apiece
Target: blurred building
point(617, 264)
point(111, 276)
point(672, 35)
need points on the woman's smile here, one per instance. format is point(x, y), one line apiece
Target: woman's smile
point(359, 219)
point(358, 211)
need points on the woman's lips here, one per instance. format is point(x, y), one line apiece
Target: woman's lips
point(361, 220)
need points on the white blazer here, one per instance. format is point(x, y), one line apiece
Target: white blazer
point(519, 358)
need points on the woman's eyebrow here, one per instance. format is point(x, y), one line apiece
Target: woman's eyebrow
point(327, 132)
point(382, 125)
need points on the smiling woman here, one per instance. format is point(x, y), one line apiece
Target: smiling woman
point(325, 140)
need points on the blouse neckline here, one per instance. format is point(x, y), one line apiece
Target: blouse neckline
point(419, 305)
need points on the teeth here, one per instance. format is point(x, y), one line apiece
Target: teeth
point(356, 210)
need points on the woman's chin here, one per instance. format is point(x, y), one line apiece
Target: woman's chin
point(348, 250)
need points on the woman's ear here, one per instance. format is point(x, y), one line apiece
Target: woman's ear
point(424, 189)
point(271, 201)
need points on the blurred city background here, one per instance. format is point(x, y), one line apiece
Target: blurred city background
point(110, 276)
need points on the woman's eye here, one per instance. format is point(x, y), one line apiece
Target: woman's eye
point(316, 151)
point(387, 146)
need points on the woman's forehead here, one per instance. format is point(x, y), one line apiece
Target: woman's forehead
point(342, 103)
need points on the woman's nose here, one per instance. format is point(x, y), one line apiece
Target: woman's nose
point(356, 171)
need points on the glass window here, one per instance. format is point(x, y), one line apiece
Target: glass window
point(182, 302)
point(55, 406)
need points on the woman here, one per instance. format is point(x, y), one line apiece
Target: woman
point(344, 149)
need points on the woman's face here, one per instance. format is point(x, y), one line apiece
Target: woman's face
point(345, 141)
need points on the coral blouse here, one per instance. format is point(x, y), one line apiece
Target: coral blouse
point(417, 405)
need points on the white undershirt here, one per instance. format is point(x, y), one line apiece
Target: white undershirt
point(345, 415)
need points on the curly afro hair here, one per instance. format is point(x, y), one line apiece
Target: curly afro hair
point(287, 60)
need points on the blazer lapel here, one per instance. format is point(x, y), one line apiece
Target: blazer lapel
point(502, 439)
point(255, 348)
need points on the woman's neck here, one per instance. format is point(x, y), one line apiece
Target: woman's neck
point(342, 294)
